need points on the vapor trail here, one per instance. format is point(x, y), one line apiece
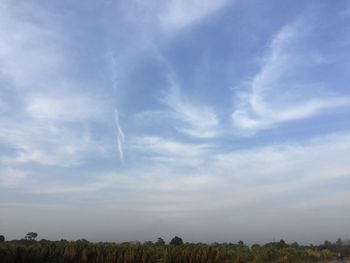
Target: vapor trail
point(120, 133)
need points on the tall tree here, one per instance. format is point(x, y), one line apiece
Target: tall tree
point(31, 236)
point(176, 241)
point(160, 241)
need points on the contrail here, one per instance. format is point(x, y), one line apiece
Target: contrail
point(120, 133)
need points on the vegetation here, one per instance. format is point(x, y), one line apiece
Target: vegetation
point(176, 241)
point(31, 236)
point(29, 251)
point(160, 241)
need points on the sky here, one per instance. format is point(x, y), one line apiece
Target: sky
point(219, 120)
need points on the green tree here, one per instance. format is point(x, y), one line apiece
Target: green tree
point(2, 238)
point(282, 244)
point(176, 241)
point(31, 236)
point(295, 244)
point(160, 241)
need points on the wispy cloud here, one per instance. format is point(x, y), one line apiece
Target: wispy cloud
point(178, 14)
point(196, 119)
point(169, 147)
point(273, 96)
point(31, 50)
point(249, 177)
point(234, 186)
point(63, 107)
point(49, 112)
point(71, 103)
point(46, 143)
point(171, 16)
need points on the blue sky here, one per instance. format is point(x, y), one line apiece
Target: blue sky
point(211, 120)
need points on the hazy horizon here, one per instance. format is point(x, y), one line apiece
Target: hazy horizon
point(215, 121)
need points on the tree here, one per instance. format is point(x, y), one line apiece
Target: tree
point(83, 241)
point(160, 242)
point(2, 238)
point(44, 241)
point(176, 241)
point(339, 242)
point(256, 246)
point(295, 244)
point(327, 244)
point(281, 244)
point(31, 236)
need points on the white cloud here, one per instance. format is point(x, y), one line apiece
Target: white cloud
point(291, 162)
point(64, 107)
point(170, 16)
point(179, 14)
point(255, 177)
point(155, 179)
point(197, 120)
point(46, 143)
point(275, 183)
point(169, 147)
point(49, 112)
point(270, 116)
point(30, 47)
point(275, 95)
point(35, 62)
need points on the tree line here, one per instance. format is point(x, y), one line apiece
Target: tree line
point(29, 250)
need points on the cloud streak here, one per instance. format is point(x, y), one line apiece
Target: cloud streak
point(151, 90)
point(198, 120)
point(63, 107)
point(169, 147)
point(274, 97)
point(32, 51)
point(179, 14)
point(46, 144)
point(246, 178)
point(48, 111)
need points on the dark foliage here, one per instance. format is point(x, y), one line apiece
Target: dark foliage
point(31, 236)
point(160, 242)
point(80, 251)
point(176, 241)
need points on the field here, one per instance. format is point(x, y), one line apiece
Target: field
point(44, 251)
